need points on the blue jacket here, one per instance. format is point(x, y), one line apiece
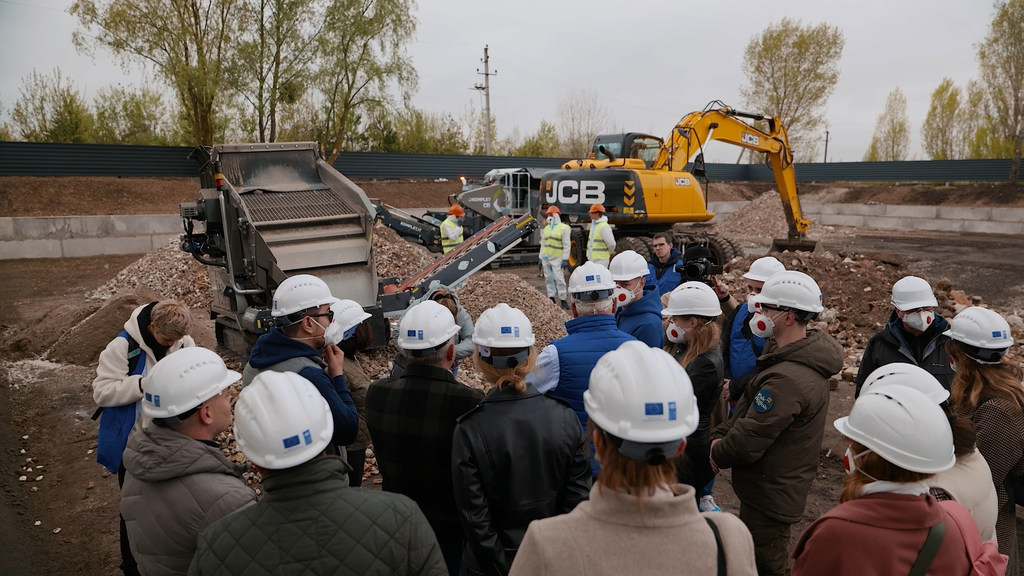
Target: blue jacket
point(664, 276)
point(743, 346)
point(642, 318)
point(274, 347)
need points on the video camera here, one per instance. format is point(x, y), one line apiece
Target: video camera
point(698, 270)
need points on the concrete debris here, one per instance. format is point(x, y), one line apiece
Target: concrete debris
point(763, 217)
point(167, 271)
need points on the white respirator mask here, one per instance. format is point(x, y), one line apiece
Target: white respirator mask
point(762, 325)
point(751, 304)
point(920, 320)
point(675, 334)
point(622, 297)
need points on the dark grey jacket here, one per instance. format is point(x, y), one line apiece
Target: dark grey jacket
point(890, 345)
point(311, 522)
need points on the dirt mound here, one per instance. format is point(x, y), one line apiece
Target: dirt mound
point(83, 343)
point(35, 338)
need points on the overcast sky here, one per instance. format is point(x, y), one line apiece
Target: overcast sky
point(650, 62)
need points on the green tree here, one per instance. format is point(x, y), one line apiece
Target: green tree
point(133, 117)
point(541, 144)
point(187, 41)
point(943, 133)
point(581, 117)
point(363, 62)
point(51, 109)
point(271, 65)
point(791, 71)
point(420, 132)
point(1001, 66)
point(891, 140)
point(984, 139)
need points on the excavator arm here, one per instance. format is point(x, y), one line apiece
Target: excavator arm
point(725, 124)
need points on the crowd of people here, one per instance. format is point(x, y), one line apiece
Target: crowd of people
point(596, 453)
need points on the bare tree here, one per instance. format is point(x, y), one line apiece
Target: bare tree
point(1001, 63)
point(580, 118)
point(791, 71)
point(891, 141)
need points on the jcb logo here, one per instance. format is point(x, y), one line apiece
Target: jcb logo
point(748, 138)
point(682, 181)
point(573, 192)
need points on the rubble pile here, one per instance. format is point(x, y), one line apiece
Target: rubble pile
point(763, 217)
point(485, 289)
point(168, 271)
point(396, 257)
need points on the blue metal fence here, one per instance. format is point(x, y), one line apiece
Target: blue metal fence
point(46, 159)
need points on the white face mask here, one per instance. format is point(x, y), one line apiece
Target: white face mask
point(751, 306)
point(762, 325)
point(551, 219)
point(675, 334)
point(919, 321)
point(333, 334)
point(850, 462)
point(622, 297)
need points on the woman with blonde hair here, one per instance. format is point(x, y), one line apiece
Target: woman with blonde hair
point(988, 390)
point(519, 455)
point(638, 520)
point(693, 338)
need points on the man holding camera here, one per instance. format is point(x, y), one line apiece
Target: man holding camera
point(698, 265)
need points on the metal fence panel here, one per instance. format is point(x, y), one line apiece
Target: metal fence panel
point(50, 159)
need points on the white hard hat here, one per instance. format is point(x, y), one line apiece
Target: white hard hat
point(903, 426)
point(426, 325)
point(909, 375)
point(183, 380)
point(643, 396)
point(628, 265)
point(348, 314)
point(983, 329)
point(911, 292)
point(300, 292)
point(591, 277)
point(693, 299)
point(281, 420)
point(791, 289)
point(503, 327)
point(764, 268)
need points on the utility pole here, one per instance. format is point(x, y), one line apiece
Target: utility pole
point(826, 145)
point(486, 89)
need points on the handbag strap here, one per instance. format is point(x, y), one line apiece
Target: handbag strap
point(718, 544)
point(929, 550)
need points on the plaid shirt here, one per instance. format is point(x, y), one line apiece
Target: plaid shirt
point(412, 420)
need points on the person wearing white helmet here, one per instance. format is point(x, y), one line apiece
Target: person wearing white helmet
point(518, 456)
point(740, 347)
point(351, 333)
point(886, 522)
point(637, 305)
point(298, 343)
point(178, 481)
point(563, 367)
point(694, 341)
point(554, 254)
point(987, 389)
point(914, 334)
point(151, 332)
point(412, 420)
point(638, 520)
point(445, 296)
point(309, 521)
point(969, 481)
point(773, 437)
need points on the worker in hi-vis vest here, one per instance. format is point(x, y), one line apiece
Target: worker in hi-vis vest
point(554, 254)
point(601, 244)
point(451, 230)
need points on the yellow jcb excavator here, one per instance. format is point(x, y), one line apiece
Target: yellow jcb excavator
point(643, 197)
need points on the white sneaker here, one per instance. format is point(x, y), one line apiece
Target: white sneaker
point(707, 504)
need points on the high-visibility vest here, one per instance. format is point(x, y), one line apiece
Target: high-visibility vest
point(596, 248)
point(552, 246)
point(447, 243)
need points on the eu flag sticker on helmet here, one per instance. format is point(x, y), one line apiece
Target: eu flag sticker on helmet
point(590, 278)
point(506, 329)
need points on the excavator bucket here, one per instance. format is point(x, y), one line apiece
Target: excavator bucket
point(793, 244)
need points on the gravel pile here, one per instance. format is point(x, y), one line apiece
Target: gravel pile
point(763, 217)
point(396, 257)
point(167, 271)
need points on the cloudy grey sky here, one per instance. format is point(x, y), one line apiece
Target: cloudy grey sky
point(650, 62)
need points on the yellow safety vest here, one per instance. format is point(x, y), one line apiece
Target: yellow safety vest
point(447, 243)
point(552, 246)
point(596, 248)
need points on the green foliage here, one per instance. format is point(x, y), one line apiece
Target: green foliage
point(1001, 66)
point(133, 117)
point(50, 109)
point(791, 71)
point(943, 131)
point(891, 141)
point(541, 144)
point(187, 41)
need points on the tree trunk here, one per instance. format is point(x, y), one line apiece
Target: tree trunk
point(1015, 163)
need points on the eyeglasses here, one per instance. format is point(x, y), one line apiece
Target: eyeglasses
point(662, 245)
point(329, 314)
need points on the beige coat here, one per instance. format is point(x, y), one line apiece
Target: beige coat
point(609, 534)
point(969, 482)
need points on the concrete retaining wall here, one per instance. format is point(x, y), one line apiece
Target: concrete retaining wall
point(74, 236)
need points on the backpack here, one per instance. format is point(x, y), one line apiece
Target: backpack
point(116, 422)
point(985, 557)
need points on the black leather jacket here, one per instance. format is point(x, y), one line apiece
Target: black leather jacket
point(891, 345)
point(515, 458)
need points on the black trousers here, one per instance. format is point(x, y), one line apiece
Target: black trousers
point(128, 565)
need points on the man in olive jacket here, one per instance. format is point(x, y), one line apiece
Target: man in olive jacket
point(773, 438)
